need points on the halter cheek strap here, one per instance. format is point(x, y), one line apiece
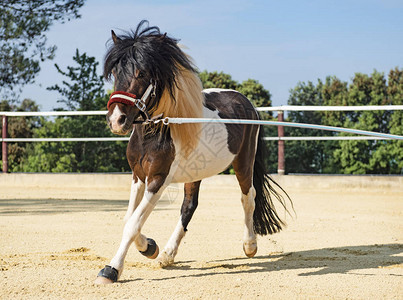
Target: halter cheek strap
point(130, 99)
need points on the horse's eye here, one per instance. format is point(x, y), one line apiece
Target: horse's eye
point(140, 75)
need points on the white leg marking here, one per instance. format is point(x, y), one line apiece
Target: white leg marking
point(136, 194)
point(132, 229)
point(167, 256)
point(248, 202)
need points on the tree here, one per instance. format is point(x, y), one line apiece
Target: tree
point(83, 89)
point(349, 156)
point(20, 127)
point(23, 43)
point(358, 156)
point(394, 149)
point(251, 88)
point(255, 92)
point(305, 156)
point(218, 80)
point(258, 95)
point(334, 93)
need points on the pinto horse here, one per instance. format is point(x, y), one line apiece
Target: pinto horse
point(154, 78)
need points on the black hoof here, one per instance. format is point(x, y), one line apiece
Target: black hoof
point(152, 249)
point(109, 273)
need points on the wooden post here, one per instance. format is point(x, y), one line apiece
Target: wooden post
point(280, 157)
point(4, 145)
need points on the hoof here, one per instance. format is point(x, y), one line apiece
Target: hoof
point(164, 260)
point(152, 249)
point(249, 253)
point(107, 275)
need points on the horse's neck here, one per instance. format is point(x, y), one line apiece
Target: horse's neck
point(151, 135)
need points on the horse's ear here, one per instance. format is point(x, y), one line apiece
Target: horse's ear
point(163, 36)
point(115, 38)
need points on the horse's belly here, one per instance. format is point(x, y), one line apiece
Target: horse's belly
point(211, 156)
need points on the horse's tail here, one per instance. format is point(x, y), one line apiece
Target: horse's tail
point(265, 218)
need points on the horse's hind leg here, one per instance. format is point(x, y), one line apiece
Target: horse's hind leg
point(189, 205)
point(248, 203)
point(243, 167)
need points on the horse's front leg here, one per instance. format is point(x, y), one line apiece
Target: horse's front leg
point(189, 206)
point(136, 194)
point(132, 233)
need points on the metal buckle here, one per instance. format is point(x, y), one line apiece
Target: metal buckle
point(140, 105)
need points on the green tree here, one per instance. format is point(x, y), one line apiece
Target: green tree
point(23, 43)
point(217, 80)
point(20, 127)
point(334, 93)
point(255, 92)
point(359, 156)
point(83, 89)
point(394, 149)
point(355, 156)
point(251, 88)
point(305, 156)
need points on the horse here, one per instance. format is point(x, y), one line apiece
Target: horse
point(151, 64)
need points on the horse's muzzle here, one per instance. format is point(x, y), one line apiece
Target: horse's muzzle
point(119, 123)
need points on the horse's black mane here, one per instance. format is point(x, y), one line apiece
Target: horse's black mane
point(149, 51)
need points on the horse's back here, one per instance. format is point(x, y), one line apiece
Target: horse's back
point(230, 104)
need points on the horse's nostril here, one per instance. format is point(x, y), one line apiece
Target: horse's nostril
point(122, 119)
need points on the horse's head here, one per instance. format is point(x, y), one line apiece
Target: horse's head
point(144, 65)
point(134, 84)
point(134, 96)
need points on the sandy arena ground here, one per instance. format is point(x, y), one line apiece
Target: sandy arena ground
point(343, 244)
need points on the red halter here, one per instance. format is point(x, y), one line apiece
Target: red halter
point(125, 98)
point(130, 99)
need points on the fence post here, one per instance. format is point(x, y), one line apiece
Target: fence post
point(4, 144)
point(280, 157)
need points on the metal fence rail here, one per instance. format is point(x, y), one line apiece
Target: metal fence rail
point(330, 108)
point(280, 138)
point(280, 108)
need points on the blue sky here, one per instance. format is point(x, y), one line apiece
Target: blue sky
point(278, 43)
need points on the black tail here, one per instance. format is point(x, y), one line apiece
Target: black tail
point(265, 218)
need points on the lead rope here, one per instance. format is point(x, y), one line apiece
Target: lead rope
point(167, 121)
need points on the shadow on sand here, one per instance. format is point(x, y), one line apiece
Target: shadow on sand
point(357, 260)
point(56, 206)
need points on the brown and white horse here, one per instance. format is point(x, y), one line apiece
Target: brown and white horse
point(154, 78)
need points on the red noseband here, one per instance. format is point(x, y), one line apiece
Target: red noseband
point(130, 99)
point(123, 97)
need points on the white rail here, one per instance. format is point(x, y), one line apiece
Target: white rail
point(274, 138)
point(369, 135)
point(281, 160)
point(266, 108)
point(52, 113)
point(89, 139)
point(323, 138)
point(330, 108)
